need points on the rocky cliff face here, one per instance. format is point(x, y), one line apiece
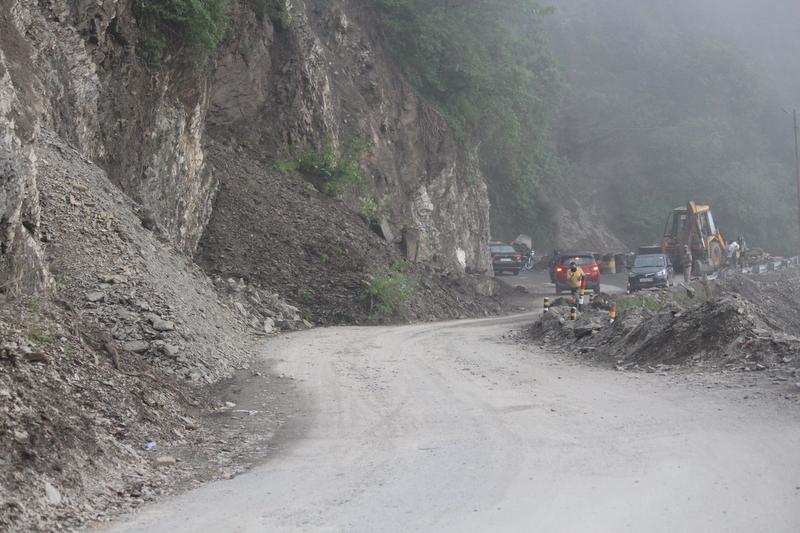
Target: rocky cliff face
point(322, 79)
point(114, 178)
point(325, 79)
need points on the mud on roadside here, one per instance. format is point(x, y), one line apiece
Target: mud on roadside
point(741, 324)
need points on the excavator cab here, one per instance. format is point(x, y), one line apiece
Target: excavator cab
point(694, 225)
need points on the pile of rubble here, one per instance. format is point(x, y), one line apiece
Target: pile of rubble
point(747, 324)
point(265, 311)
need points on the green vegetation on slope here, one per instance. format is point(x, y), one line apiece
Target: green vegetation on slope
point(193, 28)
point(487, 66)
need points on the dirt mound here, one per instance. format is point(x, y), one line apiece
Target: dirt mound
point(748, 324)
point(775, 297)
point(279, 233)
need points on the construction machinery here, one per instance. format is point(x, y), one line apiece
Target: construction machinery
point(694, 226)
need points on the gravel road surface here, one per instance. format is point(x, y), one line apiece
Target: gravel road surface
point(454, 427)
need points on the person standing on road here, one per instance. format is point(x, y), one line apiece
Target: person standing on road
point(575, 279)
point(733, 253)
point(687, 263)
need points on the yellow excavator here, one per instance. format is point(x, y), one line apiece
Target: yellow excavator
point(694, 225)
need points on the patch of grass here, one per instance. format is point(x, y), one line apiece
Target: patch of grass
point(277, 11)
point(193, 28)
point(34, 305)
point(368, 208)
point(306, 295)
point(388, 293)
point(335, 173)
point(39, 336)
point(640, 301)
point(401, 265)
point(373, 209)
point(324, 259)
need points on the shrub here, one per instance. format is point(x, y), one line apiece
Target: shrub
point(194, 27)
point(335, 174)
point(387, 294)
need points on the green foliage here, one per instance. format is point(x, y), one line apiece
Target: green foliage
point(324, 259)
point(401, 265)
point(369, 208)
point(386, 294)
point(640, 300)
point(194, 28)
point(39, 336)
point(35, 305)
point(336, 174)
point(488, 67)
point(277, 11)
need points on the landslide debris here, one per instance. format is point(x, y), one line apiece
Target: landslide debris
point(279, 234)
point(742, 323)
point(117, 356)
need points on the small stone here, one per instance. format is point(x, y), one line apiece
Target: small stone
point(165, 460)
point(189, 423)
point(159, 324)
point(136, 346)
point(52, 494)
point(21, 436)
point(95, 296)
point(170, 350)
point(787, 359)
point(230, 405)
point(114, 279)
point(269, 326)
point(141, 304)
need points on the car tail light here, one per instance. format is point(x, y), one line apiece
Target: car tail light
point(518, 257)
point(559, 269)
point(596, 268)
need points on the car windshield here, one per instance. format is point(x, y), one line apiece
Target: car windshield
point(502, 249)
point(580, 260)
point(645, 261)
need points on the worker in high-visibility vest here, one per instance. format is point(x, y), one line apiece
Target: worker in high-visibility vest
point(575, 278)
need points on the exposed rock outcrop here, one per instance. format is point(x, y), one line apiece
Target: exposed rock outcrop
point(325, 80)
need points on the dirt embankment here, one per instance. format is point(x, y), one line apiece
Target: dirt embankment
point(744, 323)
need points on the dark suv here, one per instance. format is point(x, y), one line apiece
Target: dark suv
point(650, 270)
point(505, 258)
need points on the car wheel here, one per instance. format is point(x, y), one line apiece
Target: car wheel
point(516, 272)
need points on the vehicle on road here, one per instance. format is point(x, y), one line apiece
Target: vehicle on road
point(505, 258)
point(650, 270)
point(586, 261)
point(694, 226)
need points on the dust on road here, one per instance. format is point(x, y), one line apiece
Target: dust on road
point(449, 427)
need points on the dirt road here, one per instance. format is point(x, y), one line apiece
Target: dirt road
point(450, 427)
